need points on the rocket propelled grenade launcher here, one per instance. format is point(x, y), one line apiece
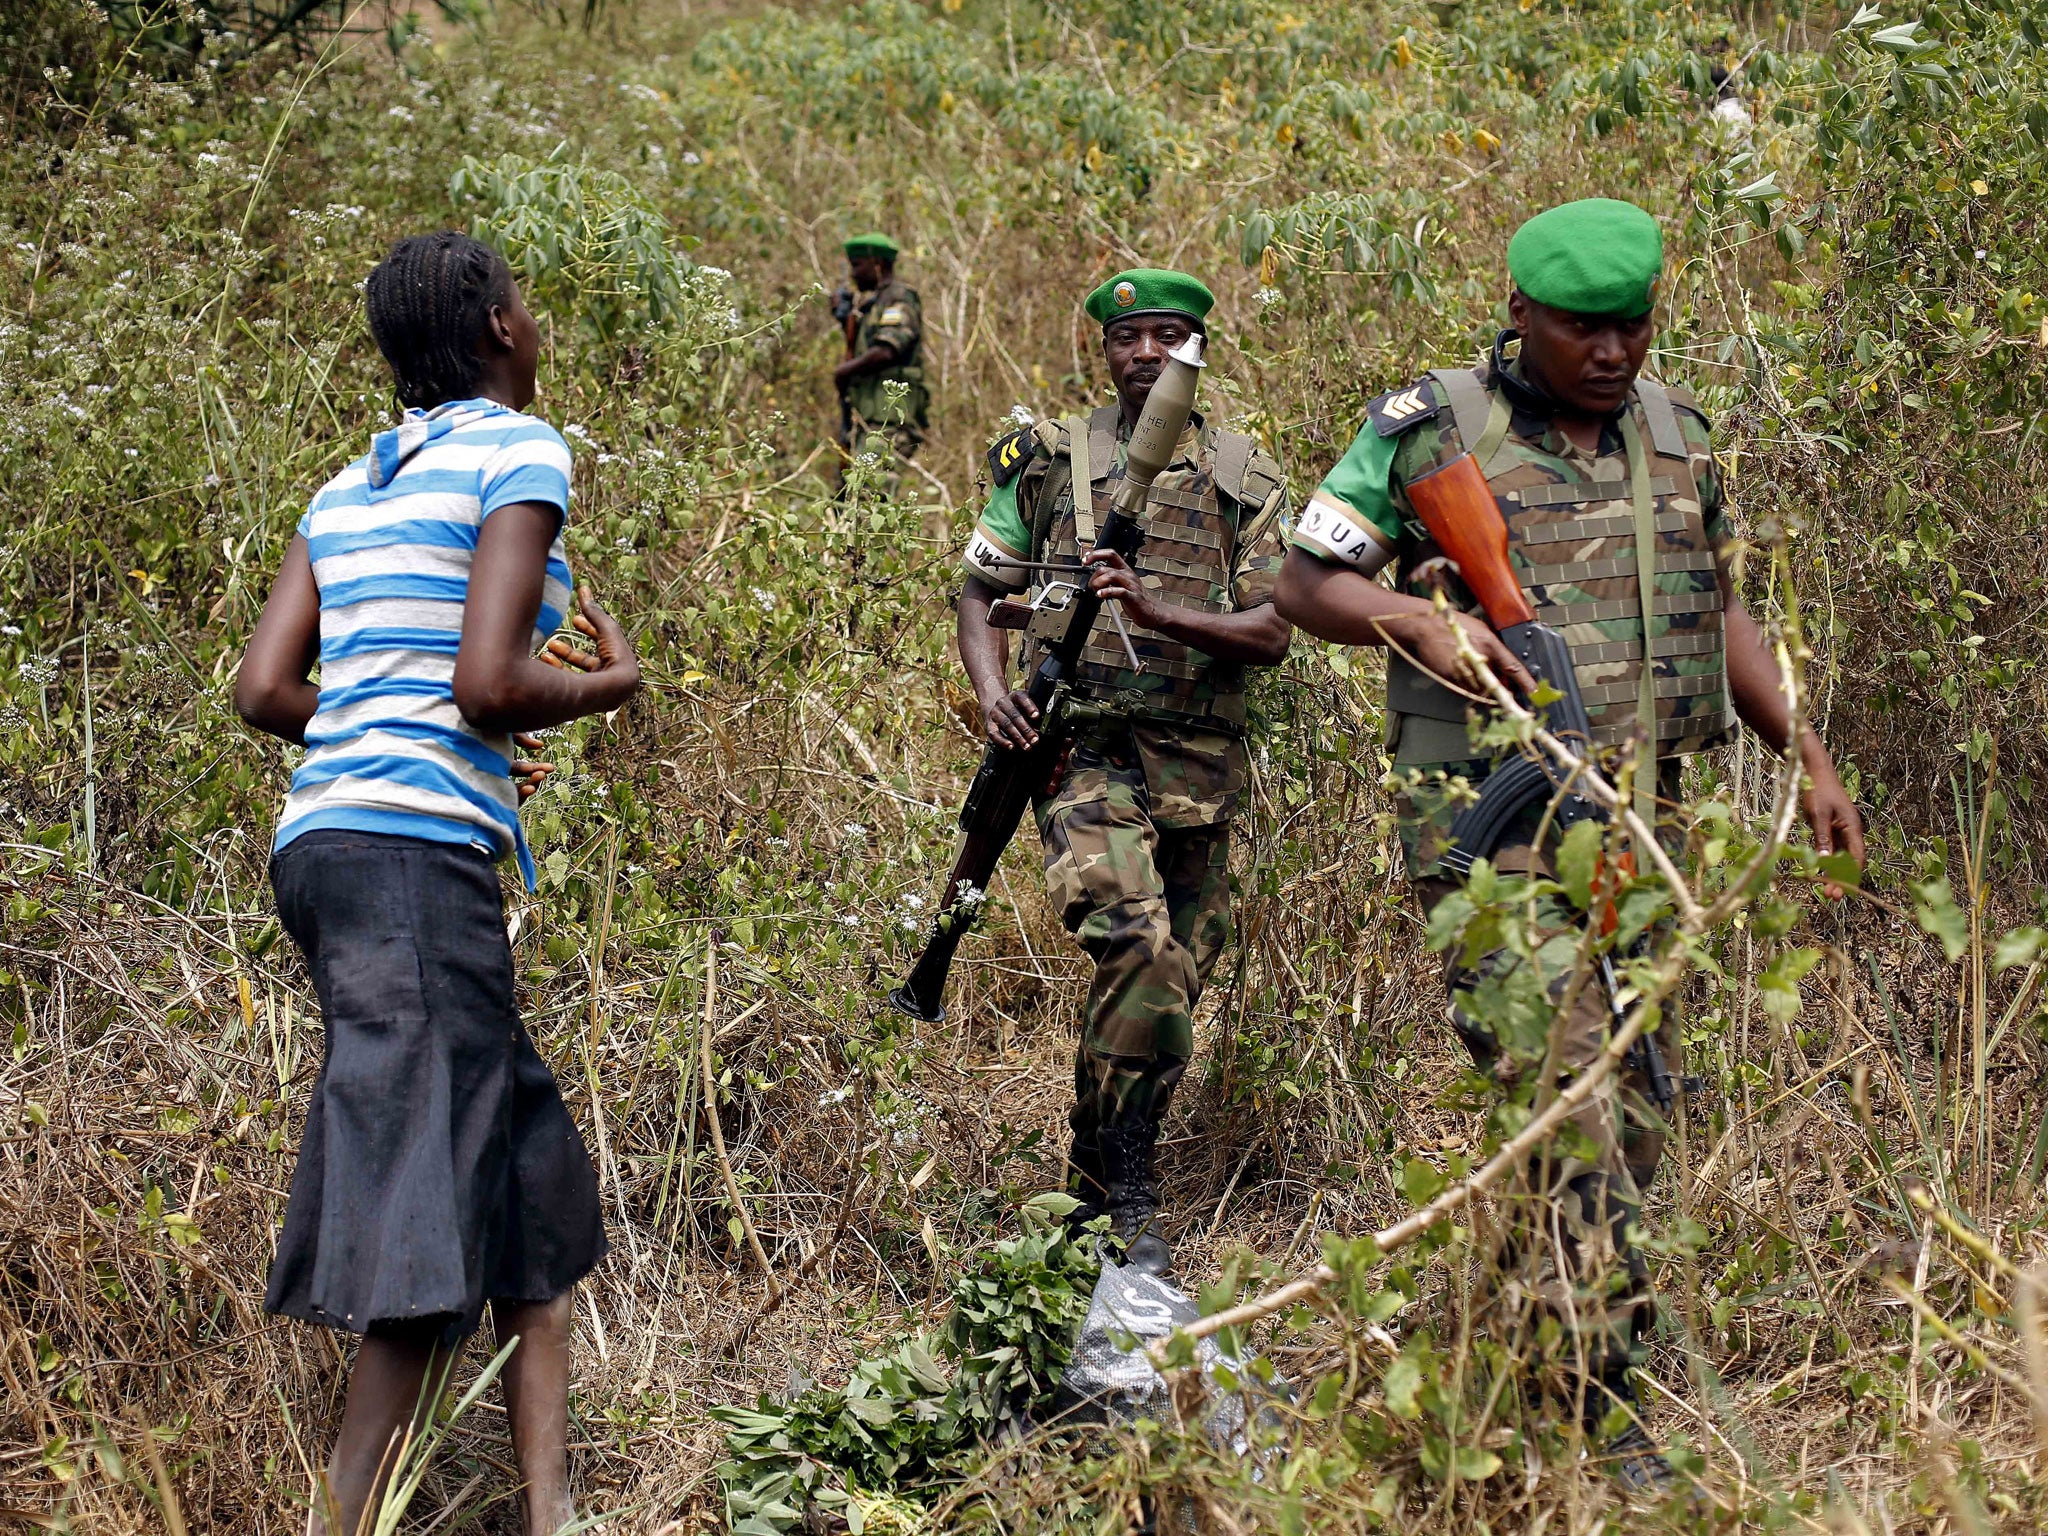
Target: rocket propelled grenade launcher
point(1457, 507)
point(1061, 621)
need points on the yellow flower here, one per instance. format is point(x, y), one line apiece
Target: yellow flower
point(1286, 133)
point(1451, 142)
point(1403, 54)
point(1094, 157)
point(946, 101)
point(1980, 186)
point(1485, 141)
point(949, 5)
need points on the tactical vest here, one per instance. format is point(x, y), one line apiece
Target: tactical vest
point(1585, 551)
point(1191, 533)
point(866, 393)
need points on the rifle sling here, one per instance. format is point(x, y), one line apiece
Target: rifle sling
point(1646, 587)
point(1082, 481)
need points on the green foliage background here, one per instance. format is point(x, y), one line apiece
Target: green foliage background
point(1856, 289)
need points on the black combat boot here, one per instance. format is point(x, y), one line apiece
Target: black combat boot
point(1632, 1459)
point(1086, 1180)
point(1131, 1196)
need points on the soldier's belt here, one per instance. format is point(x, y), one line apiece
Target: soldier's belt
point(1100, 717)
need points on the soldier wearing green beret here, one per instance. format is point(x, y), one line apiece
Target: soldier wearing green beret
point(884, 326)
point(1589, 460)
point(1137, 830)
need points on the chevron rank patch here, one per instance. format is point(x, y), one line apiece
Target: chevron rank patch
point(1009, 454)
point(1393, 414)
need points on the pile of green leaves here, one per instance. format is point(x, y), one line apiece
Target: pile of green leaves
point(908, 1423)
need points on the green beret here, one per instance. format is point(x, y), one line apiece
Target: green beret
point(872, 245)
point(1596, 257)
point(1150, 291)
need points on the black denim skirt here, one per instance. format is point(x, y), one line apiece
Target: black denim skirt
point(440, 1168)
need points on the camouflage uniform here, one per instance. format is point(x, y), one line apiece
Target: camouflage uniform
point(1573, 519)
point(891, 316)
point(1137, 833)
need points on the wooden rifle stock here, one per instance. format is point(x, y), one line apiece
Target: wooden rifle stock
point(1459, 511)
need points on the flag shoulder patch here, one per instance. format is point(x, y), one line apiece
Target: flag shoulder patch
point(1395, 412)
point(1008, 454)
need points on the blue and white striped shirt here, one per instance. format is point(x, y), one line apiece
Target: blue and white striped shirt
point(391, 539)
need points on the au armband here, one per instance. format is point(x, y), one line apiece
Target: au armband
point(994, 564)
point(1325, 529)
point(1008, 455)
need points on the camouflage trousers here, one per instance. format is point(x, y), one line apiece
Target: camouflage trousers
point(1151, 905)
point(1569, 1266)
point(857, 433)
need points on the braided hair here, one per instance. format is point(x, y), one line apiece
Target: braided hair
point(428, 302)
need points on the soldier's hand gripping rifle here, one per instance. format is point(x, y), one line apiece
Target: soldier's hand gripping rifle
point(1061, 620)
point(1459, 511)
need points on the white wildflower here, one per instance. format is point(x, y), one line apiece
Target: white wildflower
point(1022, 415)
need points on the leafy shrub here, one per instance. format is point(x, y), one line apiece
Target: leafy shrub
point(914, 1416)
point(586, 243)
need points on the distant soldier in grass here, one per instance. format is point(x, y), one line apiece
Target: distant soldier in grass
point(884, 326)
point(1601, 473)
point(1137, 830)
point(440, 1169)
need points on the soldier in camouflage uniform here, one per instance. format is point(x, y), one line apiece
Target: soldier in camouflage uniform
point(1603, 476)
point(884, 326)
point(1137, 829)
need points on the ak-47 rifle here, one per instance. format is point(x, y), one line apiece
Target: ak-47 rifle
point(843, 312)
point(1460, 513)
point(1061, 620)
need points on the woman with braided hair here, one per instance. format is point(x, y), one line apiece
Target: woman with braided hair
point(439, 1170)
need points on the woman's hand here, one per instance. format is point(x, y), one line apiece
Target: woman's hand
point(529, 773)
point(613, 662)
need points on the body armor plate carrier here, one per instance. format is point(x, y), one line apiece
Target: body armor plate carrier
point(1578, 549)
point(1191, 531)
